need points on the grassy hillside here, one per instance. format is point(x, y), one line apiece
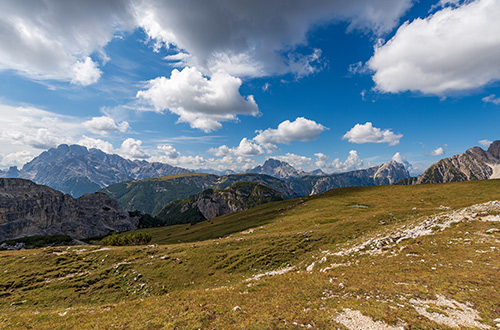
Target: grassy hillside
point(320, 262)
point(151, 195)
point(237, 197)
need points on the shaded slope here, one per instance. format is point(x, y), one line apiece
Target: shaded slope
point(151, 195)
point(210, 203)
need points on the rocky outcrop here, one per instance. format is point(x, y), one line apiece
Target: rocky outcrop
point(29, 209)
point(212, 203)
point(474, 164)
point(387, 173)
point(76, 170)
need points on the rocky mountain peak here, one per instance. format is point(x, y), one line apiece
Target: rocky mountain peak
point(76, 170)
point(475, 164)
point(29, 209)
point(278, 169)
point(494, 149)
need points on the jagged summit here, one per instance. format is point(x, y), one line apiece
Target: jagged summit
point(278, 169)
point(475, 164)
point(76, 170)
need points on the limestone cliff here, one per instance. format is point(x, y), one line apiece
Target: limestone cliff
point(29, 209)
point(474, 164)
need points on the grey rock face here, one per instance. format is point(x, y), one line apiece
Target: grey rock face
point(28, 209)
point(474, 164)
point(76, 170)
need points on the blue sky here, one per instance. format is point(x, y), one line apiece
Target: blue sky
point(337, 85)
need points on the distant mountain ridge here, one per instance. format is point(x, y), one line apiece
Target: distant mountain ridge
point(475, 164)
point(151, 195)
point(211, 203)
point(384, 174)
point(76, 170)
point(278, 169)
point(29, 209)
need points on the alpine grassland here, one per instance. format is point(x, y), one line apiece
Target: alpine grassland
point(385, 257)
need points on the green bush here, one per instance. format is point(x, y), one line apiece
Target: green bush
point(116, 239)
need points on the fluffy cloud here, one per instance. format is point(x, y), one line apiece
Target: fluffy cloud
point(97, 144)
point(368, 134)
point(301, 129)
point(353, 162)
point(402, 160)
point(485, 143)
point(29, 128)
point(131, 148)
point(245, 148)
point(169, 151)
point(197, 100)
point(86, 72)
point(54, 40)
point(103, 125)
point(18, 158)
point(491, 99)
point(438, 152)
point(296, 161)
point(455, 49)
point(250, 38)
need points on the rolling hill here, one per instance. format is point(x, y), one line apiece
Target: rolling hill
point(384, 257)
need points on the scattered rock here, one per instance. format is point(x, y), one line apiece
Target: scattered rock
point(354, 320)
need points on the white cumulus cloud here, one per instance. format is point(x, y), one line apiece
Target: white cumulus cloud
point(245, 148)
point(169, 151)
point(103, 125)
point(366, 133)
point(455, 49)
point(197, 100)
point(353, 162)
point(97, 144)
point(438, 152)
point(131, 148)
point(296, 161)
point(301, 129)
point(54, 39)
point(86, 72)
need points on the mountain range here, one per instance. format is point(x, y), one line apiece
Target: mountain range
point(150, 195)
point(474, 164)
point(76, 170)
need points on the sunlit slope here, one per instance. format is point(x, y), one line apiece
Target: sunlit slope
point(306, 263)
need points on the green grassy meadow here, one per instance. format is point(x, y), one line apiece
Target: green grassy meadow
point(206, 275)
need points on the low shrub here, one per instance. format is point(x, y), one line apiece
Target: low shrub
point(116, 239)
